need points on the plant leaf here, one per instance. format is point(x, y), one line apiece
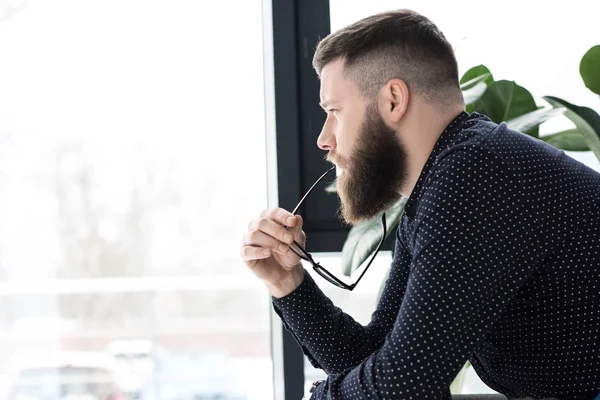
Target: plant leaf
point(504, 100)
point(474, 75)
point(364, 237)
point(589, 68)
point(477, 80)
point(585, 119)
point(473, 84)
point(533, 119)
point(473, 94)
point(569, 140)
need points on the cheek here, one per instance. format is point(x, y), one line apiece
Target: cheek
point(348, 132)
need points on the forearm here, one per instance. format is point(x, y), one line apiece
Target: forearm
point(334, 339)
point(411, 364)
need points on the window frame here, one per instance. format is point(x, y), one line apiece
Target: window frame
point(294, 119)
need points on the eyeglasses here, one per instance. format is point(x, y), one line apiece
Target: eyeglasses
point(328, 276)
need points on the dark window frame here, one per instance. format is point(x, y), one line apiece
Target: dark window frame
point(297, 27)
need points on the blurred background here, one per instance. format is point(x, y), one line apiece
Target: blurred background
point(137, 142)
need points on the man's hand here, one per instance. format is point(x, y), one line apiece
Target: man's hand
point(266, 250)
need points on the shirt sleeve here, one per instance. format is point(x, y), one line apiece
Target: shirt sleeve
point(475, 242)
point(331, 339)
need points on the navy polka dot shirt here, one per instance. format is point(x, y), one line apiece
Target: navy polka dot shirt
point(497, 262)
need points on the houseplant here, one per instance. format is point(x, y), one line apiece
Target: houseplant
point(501, 101)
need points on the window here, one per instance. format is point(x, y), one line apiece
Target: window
point(132, 156)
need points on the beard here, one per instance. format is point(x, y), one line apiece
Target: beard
point(375, 173)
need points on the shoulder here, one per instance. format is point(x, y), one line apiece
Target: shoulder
point(470, 185)
point(468, 168)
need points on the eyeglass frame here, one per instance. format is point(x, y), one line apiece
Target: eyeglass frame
point(325, 274)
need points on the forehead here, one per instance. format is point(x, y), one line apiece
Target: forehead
point(335, 86)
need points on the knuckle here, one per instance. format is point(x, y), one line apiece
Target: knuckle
point(287, 236)
point(262, 223)
point(282, 214)
point(253, 236)
point(265, 212)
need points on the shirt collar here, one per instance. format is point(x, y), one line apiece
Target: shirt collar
point(451, 131)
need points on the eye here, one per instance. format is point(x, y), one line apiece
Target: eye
point(332, 110)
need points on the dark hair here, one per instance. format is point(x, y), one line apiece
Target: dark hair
point(400, 44)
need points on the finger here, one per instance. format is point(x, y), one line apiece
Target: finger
point(301, 237)
point(301, 240)
point(287, 219)
point(252, 253)
point(294, 225)
point(259, 238)
point(272, 229)
point(296, 228)
point(280, 216)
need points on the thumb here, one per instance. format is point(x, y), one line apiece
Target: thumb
point(297, 231)
point(296, 227)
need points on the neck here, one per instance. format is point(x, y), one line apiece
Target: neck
point(421, 128)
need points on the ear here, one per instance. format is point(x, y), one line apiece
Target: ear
point(394, 97)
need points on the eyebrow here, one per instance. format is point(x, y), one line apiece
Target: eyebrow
point(327, 103)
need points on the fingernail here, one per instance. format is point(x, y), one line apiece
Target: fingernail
point(288, 237)
point(266, 252)
point(291, 221)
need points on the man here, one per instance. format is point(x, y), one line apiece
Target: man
point(497, 255)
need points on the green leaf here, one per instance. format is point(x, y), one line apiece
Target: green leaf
point(505, 100)
point(569, 140)
point(477, 80)
point(533, 119)
point(473, 94)
point(589, 68)
point(474, 75)
point(364, 237)
point(585, 119)
point(473, 84)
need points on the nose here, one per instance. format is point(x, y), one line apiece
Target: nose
point(326, 139)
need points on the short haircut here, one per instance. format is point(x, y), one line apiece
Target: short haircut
point(400, 44)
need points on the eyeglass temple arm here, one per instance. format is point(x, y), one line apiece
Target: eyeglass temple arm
point(307, 256)
point(311, 188)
